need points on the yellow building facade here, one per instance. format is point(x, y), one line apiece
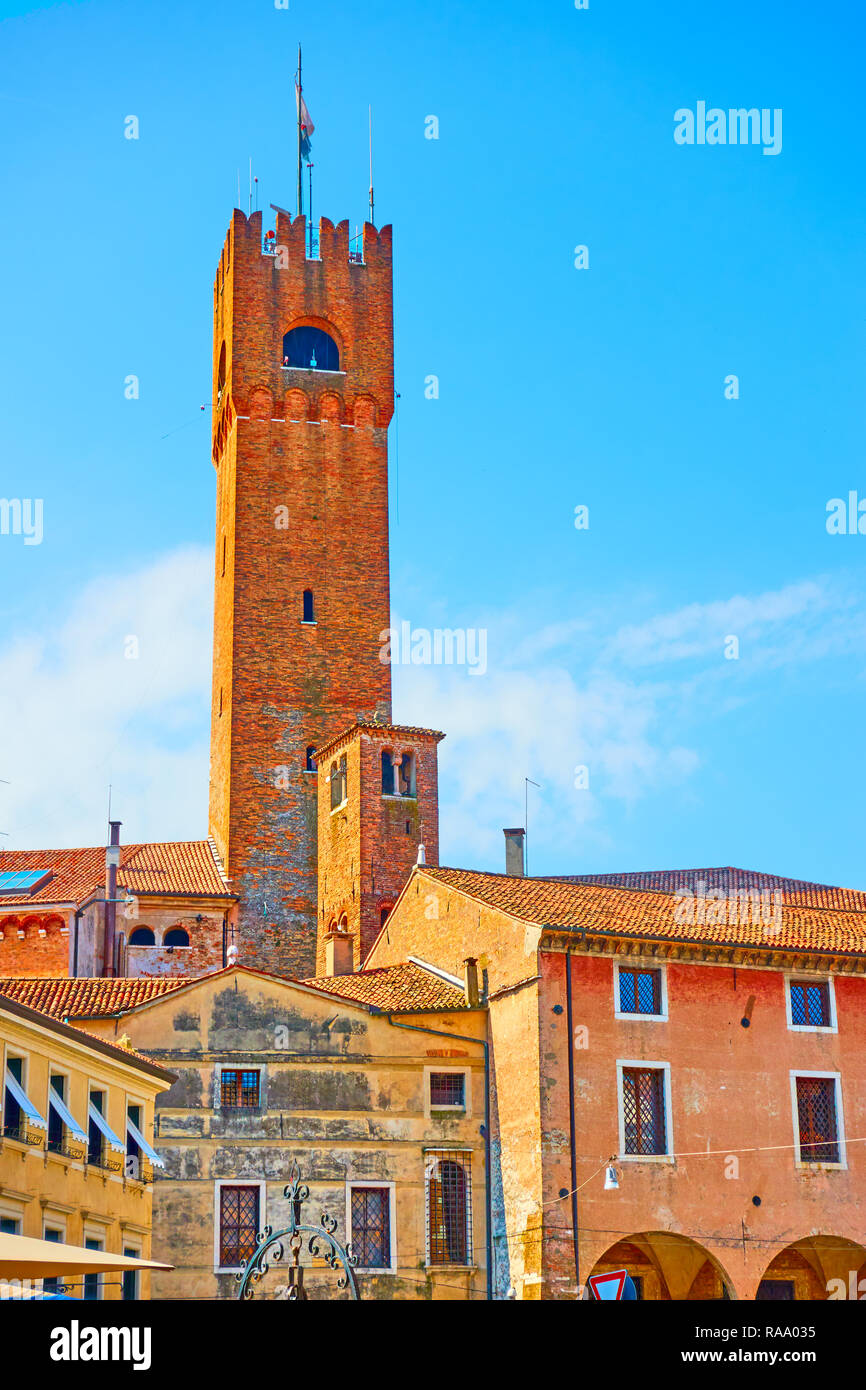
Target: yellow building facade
point(76, 1153)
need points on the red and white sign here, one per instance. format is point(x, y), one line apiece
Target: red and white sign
point(608, 1287)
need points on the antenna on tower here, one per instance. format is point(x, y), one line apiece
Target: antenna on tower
point(372, 204)
point(250, 213)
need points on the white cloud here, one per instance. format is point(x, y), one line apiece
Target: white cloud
point(78, 715)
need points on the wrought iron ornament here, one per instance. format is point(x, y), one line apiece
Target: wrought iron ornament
point(272, 1247)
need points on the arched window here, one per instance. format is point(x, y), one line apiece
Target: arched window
point(309, 609)
point(176, 937)
point(385, 911)
point(310, 348)
point(142, 936)
point(221, 375)
point(407, 774)
point(448, 1213)
point(387, 774)
point(339, 783)
point(311, 760)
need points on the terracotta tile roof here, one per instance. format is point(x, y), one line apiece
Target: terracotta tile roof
point(796, 891)
point(182, 869)
point(406, 988)
point(560, 904)
point(370, 726)
point(21, 1009)
point(85, 998)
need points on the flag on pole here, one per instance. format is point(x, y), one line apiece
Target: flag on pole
point(304, 123)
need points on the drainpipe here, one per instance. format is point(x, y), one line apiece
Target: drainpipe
point(112, 860)
point(488, 1196)
point(569, 1015)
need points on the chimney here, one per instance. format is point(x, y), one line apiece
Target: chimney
point(470, 976)
point(422, 855)
point(339, 953)
point(112, 863)
point(515, 844)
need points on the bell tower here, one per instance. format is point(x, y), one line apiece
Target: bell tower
point(303, 392)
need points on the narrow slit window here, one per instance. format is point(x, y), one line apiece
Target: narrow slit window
point(309, 609)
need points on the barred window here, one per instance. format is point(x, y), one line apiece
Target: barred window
point(449, 1209)
point(643, 1106)
point(448, 1088)
point(239, 1224)
point(640, 991)
point(240, 1089)
point(810, 1003)
point(816, 1116)
point(371, 1227)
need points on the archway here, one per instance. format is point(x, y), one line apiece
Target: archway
point(814, 1269)
point(668, 1267)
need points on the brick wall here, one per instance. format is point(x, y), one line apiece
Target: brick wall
point(34, 946)
point(367, 848)
point(302, 503)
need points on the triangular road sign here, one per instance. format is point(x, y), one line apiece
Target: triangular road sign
point(608, 1287)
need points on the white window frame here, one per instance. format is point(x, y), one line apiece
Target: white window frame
point(219, 1184)
point(465, 1109)
point(221, 1109)
point(391, 1187)
point(817, 1163)
point(803, 977)
point(645, 1064)
point(100, 1233)
point(637, 964)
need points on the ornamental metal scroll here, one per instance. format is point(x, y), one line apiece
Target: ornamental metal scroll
point(284, 1247)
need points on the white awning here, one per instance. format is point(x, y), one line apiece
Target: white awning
point(135, 1133)
point(56, 1102)
point(103, 1125)
point(25, 1257)
point(24, 1101)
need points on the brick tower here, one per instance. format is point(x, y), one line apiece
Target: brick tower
point(378, 801)
point(303, 391)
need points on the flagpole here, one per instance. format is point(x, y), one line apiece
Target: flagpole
point(372, 216)
point(300, 162)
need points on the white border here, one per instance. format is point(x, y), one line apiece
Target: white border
point(391, 1267)
point(464, 1109)
point(622, 1065)
point(803, 977)
point(219, 1184)
point(663, 991)
point(817, 1163)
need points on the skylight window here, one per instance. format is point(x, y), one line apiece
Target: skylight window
point(17, 881)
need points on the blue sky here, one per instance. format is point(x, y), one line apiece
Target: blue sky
point(558, 387)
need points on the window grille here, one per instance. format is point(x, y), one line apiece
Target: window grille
point(449, 1209)
point(810, 1003)
point(239, 1090)
point(640, 991)
point(816, 1113)
point(239, 1224)
point(643, 1103)
point(371, 1227)
point(447, 1088)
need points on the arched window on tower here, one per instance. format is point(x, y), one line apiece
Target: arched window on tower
point(221, 375)
point(309, 607)
point(178, 936)
point(387, 773)
point(310, 348)
point(406, 775)
point(339, 783)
